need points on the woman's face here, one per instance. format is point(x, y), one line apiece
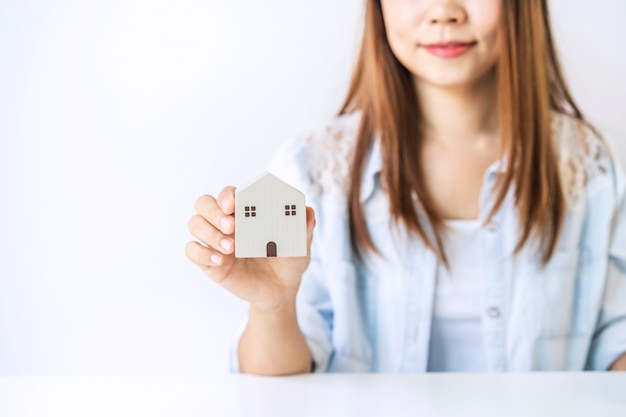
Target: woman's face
point(444, 42)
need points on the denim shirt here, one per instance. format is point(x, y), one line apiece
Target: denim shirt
point(375, 316)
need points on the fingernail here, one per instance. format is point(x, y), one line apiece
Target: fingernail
point(226, 244)
point(225, 203)
point(216, 258)
point(226, 222)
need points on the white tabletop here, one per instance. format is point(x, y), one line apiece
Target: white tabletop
point(502, 395)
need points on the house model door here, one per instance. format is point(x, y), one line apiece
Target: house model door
point(271, 249)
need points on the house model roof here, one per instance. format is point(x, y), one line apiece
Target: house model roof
point(264, 176)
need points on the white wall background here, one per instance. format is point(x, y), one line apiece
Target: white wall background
point(116, 115)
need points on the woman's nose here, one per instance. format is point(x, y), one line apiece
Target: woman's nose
point(446, 12)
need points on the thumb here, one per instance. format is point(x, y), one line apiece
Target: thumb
point(310, 225)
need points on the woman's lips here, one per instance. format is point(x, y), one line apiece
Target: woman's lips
point(449, 49)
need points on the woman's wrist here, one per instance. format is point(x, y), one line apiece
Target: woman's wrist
point(280, 308)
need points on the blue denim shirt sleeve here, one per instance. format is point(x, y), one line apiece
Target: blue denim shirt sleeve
point(609, 341)
point(315, 316)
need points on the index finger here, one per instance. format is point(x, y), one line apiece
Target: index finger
point(226, 200)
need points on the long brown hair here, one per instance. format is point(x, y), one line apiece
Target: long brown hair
point(530, 88)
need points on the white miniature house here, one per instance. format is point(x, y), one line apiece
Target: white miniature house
point(270, 219)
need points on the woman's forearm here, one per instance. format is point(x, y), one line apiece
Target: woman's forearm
point(273, 344)
point(619, 364)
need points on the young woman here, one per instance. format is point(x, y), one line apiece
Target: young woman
point(468, 217)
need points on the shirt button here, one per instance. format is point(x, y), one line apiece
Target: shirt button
point(493, 312)
point(492, 226)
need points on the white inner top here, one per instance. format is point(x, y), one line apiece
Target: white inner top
point(456, 343)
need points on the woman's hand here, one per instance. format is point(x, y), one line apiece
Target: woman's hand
point(266, 283)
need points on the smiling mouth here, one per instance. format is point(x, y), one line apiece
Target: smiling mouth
point(451, 49)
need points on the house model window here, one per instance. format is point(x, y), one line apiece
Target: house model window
point(289, 211)
point(250, 211)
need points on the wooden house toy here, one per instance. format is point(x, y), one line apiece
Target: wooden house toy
point(270, 219)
